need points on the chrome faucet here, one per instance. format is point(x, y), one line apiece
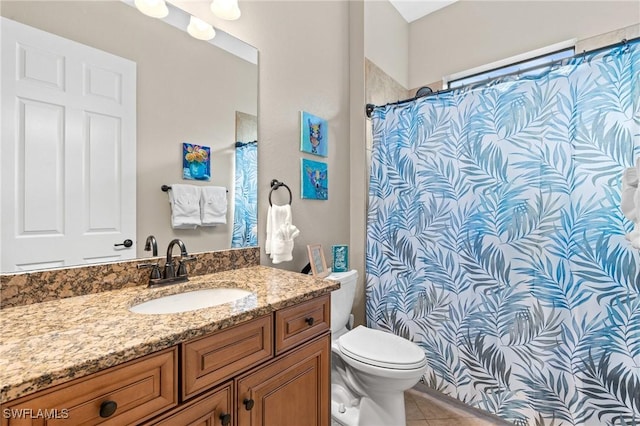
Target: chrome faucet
point(151, 245)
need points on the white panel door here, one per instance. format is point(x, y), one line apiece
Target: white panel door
point(68, 152)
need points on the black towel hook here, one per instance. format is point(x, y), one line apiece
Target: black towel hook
point(275, 184)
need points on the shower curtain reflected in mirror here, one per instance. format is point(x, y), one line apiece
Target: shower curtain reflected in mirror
point(245, 217)
point(495, 241)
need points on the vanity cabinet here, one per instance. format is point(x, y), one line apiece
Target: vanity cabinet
point(271, 370)
point(125, 394)
point(291, 391)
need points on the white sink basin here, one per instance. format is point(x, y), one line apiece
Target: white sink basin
point(190, 301)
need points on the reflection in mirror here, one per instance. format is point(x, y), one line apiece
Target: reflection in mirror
point(245, 222)
point(186, 90)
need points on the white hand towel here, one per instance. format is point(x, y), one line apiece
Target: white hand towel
point(267, 240)
point(276, 217)
point(634, 237)
point(213, 205)
point(628, 203)
point(185, 206)
point(282, 245)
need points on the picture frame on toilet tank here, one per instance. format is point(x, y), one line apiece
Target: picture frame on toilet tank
point(340, 257)
point(316, 259)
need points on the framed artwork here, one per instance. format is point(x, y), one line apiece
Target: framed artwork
point(316, 259)
point(340, 255)
point(196, 162)
point(313, 134)
point(314, 180)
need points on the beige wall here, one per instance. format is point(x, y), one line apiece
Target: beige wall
point(304, 65)
point(386, 41)
point(468, 34)
point(183, 95)
point(359, 174)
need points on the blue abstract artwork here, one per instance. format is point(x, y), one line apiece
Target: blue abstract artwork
point(313, 136)
point(315, 180)
point(196, 162)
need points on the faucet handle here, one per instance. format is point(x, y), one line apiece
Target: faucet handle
point(155, 269)
point(182, 267)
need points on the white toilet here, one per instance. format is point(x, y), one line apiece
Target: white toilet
point(370, 369)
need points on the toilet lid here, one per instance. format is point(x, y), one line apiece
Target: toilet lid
point(381, 349)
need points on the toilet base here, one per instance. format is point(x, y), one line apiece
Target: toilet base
point(350, 411)
point(345, 407)
point(349, 417)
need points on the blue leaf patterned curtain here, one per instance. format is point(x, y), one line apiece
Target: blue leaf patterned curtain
point(245, 216)
point(495, 241)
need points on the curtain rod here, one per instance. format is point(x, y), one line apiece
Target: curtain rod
point(239, 144)
point(370, 107)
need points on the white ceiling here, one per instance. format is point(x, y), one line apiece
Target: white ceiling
point(416, 9)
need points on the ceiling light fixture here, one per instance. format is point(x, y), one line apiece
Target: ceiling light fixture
point(199, 29)
point(153, 8)
point(226, 9)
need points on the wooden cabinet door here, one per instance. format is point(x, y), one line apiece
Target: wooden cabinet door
point(291, 391)
point(211, 409)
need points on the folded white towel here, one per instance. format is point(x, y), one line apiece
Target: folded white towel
point(628, 203)
point(213, 205)
point(282, 245)
point(280, 233)
point(634, 237)
point(267, 240)
point(185, 206)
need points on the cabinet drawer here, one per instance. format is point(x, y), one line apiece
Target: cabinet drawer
point(217, 357)
point(302, 322)
point(212, 408)
point(140, 389)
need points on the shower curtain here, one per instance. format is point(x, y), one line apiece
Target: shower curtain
point(245, 216)
point(495, 241)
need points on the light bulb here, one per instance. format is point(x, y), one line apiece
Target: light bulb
point(199, 29)
point(153, 8)
point(226, 9)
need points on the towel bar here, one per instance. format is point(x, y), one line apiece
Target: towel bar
point(275, 184)
point(165, 188)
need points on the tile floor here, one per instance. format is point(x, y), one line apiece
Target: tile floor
point(423, 409)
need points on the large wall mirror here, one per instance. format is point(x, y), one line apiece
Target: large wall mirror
point(187, 91)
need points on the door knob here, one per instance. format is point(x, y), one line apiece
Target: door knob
point(248, 403)
point(309, 320)
point(126, 243)
point(225, 419)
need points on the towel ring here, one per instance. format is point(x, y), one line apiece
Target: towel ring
point(275, 184)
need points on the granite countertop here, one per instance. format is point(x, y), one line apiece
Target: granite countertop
point(49, 343)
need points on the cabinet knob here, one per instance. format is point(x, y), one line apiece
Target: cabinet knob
point(107, 408)
point(309, 320)
point(225, 419)
point(248, 403)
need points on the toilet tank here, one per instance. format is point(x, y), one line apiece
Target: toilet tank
point(342, 300)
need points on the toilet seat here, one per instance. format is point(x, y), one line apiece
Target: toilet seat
point(381, 349)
